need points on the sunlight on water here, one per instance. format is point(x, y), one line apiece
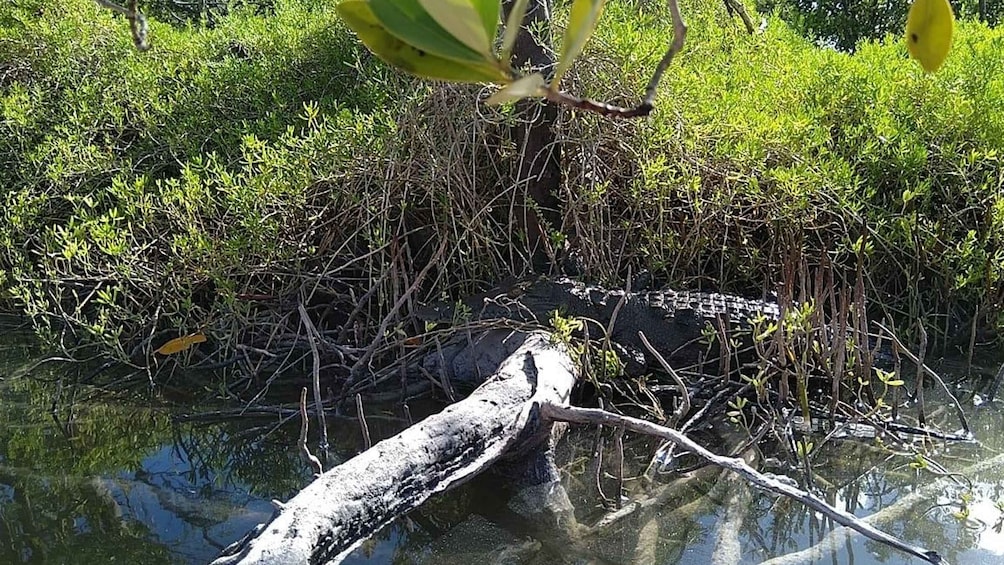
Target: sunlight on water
point(115, 476)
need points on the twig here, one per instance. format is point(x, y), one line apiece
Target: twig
point(736, 7)
point(303, 433)
point(363, 361)
point(931, 373)
point(312, 338)
point(367, 443)
point(679, 34)
point(597, 470)
point(996, 384)
point(592, 416)
point(648, 102)
point(444, 373)
point(684, 394)
point(619, 466)
point(921, 409)
point(137, 22)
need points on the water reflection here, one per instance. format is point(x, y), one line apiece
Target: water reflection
point(88, 476)
point(110, 478)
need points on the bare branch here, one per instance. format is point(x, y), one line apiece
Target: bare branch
point(931, 373)
point(592, 416)
point(312, 338)
point(303, 433)
point(137, 22)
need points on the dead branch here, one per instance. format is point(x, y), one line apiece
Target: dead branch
point(931, 373)
point(592, 416)
point(303, 434)
point(312, 338)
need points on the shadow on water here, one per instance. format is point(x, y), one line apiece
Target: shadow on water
point(91, 476)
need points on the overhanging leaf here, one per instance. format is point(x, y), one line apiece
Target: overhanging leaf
point(489, 11)
point(360, 18)
point(463, 21)
point(581, 22)
point(512, 24)
point(408, 21)
point(525, 87)
point(179, 344)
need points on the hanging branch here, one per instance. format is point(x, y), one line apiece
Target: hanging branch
point(137, 21)
point(647, 103)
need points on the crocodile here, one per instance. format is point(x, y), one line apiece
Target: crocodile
point(673, 321)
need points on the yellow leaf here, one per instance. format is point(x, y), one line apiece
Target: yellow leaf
point(929, 28)
point(179, 344)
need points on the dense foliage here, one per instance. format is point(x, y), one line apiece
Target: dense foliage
point(271, 156)
point(844, 23)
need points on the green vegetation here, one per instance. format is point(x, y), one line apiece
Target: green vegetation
point(844, 23)
point(271, 156)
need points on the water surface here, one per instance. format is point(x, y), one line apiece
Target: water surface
point(90, 474)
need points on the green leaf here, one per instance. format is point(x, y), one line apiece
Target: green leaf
point(512, 25)
point(581, 22)
point(361, 19)
point(408, 21)
point(473, 22)
point(490, 14)
point(525, 87)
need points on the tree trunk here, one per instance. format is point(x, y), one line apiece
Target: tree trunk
point(540, 156)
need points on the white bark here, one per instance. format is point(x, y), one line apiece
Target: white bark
point(346, 505)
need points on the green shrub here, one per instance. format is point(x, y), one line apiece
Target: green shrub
point(273, 156)
point(767, 148)
point(133, 180)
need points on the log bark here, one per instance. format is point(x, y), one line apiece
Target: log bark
point(346, 505)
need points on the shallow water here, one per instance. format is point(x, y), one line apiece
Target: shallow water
point(89, 475)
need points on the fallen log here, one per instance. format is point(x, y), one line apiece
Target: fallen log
point(347, 504)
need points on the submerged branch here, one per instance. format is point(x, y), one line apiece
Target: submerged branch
point(594, 416)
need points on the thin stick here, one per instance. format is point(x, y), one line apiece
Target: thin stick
point(679, 35)
point(736, 7)
point(598, 467)
point(303, 433)
point(647, 103)
point(312, 337)
point(593, 416)
point(619, 466)
point(367, 443)
point(684, 394)
point(363, 361)
point(931, 373)
point(996, 384)
point(921, 410)
point(137, 22)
